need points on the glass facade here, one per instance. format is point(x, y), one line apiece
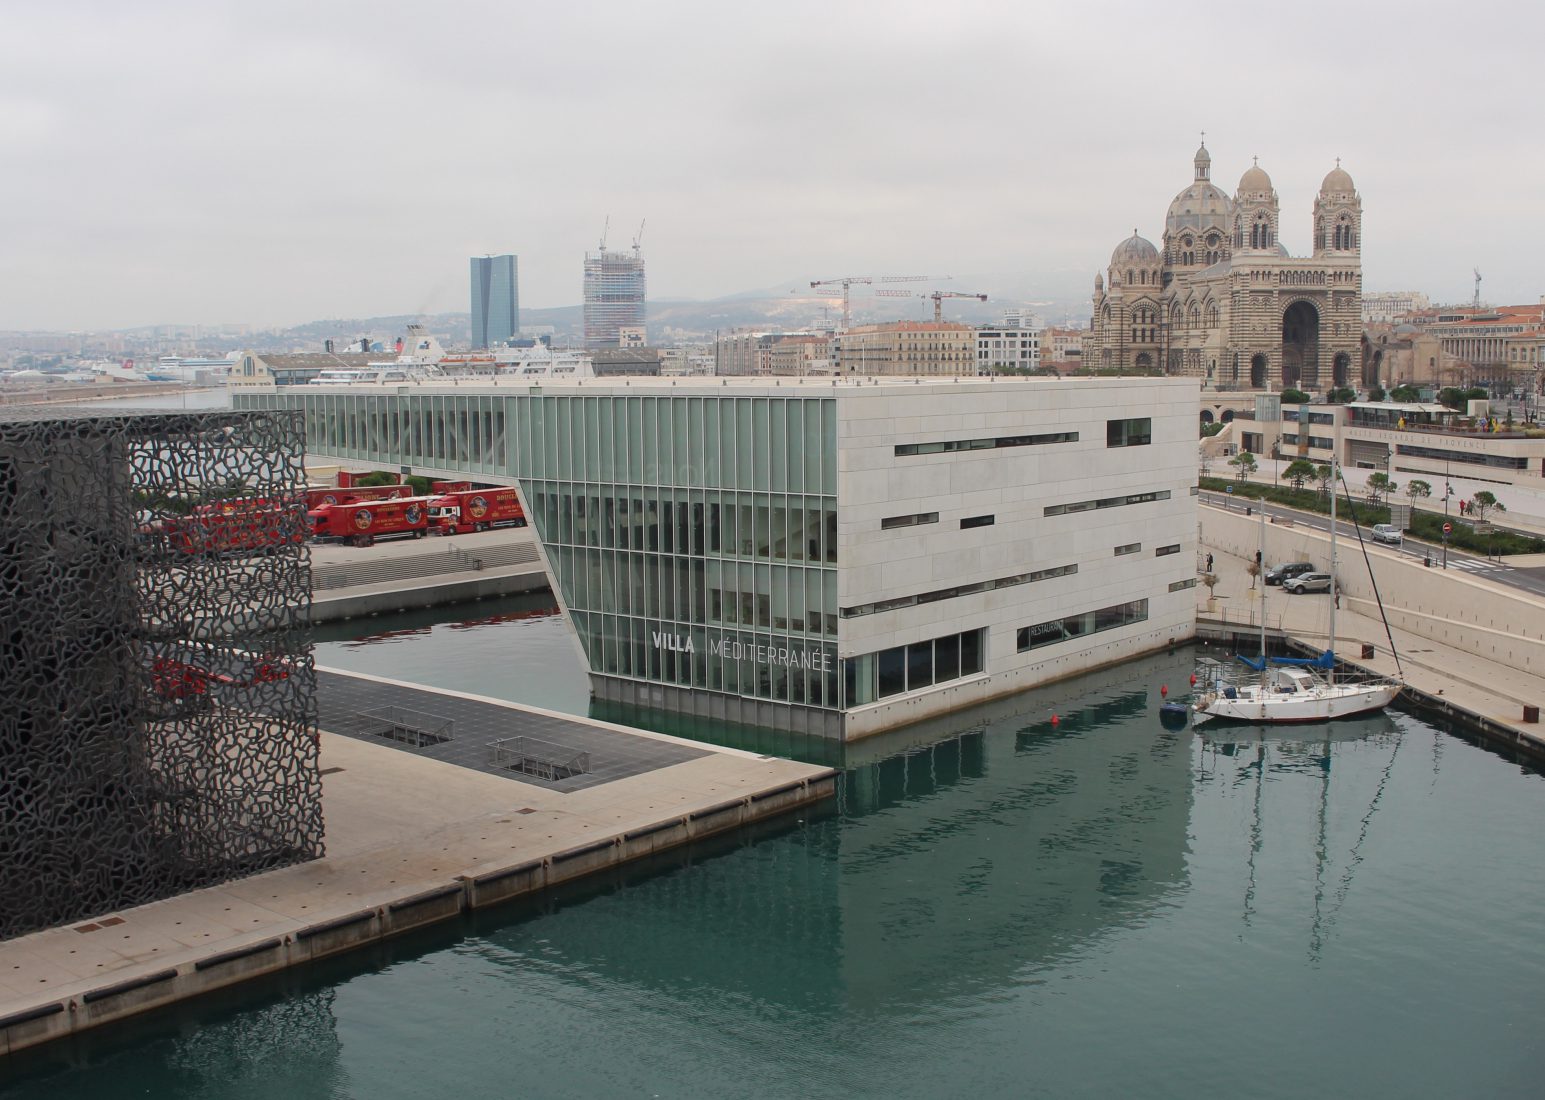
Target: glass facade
point(904, 668)
point(1076, 626)
point(694, 538)
point(466, 433)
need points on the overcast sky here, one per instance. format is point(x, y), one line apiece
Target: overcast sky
point(279, 162)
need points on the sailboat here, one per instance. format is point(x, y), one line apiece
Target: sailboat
point(1296, 689)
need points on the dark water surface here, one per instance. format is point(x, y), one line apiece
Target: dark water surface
point(1015, 908)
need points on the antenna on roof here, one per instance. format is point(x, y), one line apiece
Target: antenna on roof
point(1477, 287)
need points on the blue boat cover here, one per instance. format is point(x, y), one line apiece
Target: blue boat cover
point(1326, 660)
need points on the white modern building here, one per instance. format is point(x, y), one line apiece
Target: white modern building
point(836, 557)
point(1011, 348)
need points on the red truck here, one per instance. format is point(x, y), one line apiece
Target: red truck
point(362, 522)
point(315, 498)
point(475, 510)
point(236, 526)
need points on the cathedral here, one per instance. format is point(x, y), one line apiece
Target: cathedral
point(1223, 301)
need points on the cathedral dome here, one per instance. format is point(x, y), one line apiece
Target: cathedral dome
point(1255, 179)
point(1337, 182)
point(1134, 252)
point(1200, 206)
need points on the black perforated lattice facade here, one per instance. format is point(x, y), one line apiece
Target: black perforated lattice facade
point(157, 720)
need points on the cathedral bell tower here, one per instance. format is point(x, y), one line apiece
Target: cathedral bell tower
point(1256, 212)
point(1338, 216)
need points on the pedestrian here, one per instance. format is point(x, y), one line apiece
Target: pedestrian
point(1338, 599)
point(1209, 563)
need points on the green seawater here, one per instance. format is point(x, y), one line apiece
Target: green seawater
point(994, 906)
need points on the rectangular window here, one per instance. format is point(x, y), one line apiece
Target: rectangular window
point(977, 521)
point(1165, 551)
point(987, 444)
point(1179, 586)
point(959, 590)
point(1136, 432)
point(1129, 548)
point(1076, 626)
point(913, 667)
point(1105, 502)
point(892, 522)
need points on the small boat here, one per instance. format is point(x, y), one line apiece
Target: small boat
point(1297, 689)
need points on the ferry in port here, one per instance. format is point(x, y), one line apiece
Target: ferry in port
point(421, 359)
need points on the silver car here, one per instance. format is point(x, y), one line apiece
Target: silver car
point(1307, 582)
point(1387, 532)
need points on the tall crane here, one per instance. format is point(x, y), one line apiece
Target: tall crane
point(847, 281)
point(938, 297)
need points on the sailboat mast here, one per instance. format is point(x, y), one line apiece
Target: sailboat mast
point(1260, 565)
point(1335, 484)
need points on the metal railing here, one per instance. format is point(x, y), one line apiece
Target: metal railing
point(410, 727)
point(535, 757)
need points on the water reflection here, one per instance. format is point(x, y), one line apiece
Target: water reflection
point(287, 1047)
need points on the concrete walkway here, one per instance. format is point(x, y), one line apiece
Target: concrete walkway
point(1467, 681)
point(443, 586)
point(410, 841)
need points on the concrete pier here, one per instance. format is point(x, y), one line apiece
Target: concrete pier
point(351, 582)
point(411, 840)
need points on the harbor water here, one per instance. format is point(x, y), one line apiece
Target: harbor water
point(1000, 905)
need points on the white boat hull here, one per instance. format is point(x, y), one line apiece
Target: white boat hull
point(1321, 703)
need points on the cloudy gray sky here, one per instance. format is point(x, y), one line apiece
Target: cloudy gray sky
point(278, 161)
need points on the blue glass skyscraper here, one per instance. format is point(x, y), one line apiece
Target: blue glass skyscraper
point(495, 300)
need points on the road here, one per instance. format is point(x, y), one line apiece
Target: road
point(1528, 580)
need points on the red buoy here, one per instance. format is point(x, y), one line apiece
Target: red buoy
point(1163, 691)
point(1055, 720)
point(1193, 679)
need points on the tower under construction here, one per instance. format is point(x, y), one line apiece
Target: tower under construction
point(614, 294)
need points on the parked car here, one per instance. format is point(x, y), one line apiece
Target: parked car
point(1279, 573)
point(1387, 532)
point(1307, 582)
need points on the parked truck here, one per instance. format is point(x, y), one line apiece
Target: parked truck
point(235, 526)
point(315, 498)
point(362, 522)
point(475, 510)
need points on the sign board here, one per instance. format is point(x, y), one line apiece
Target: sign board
point(1448, 528)
point(1228, 488)
point(1400, 516)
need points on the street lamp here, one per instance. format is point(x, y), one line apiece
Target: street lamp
point(1448, 491)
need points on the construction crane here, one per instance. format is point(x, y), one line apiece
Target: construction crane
point(847, 281)
point(639, 239)
point(938, 297)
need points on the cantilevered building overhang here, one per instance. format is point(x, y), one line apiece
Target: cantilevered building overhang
point(832, 558)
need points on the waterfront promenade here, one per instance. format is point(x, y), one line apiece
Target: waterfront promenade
point(1453, 663)
point(411, 840)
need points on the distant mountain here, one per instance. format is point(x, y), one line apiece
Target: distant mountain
point(788, 306)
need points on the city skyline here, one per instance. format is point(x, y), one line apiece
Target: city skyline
point(208, 163)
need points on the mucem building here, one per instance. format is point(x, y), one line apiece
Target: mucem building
point(159, 729)
point(833, 557)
